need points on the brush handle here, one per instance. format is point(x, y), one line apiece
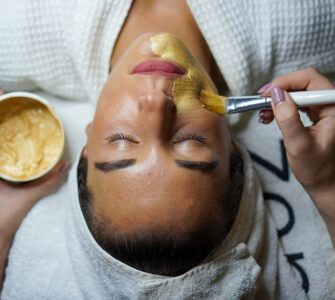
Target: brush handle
point(313, 97)
point(247, 103)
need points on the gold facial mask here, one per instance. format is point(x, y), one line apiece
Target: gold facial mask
point(186, 89)
point(31, 139)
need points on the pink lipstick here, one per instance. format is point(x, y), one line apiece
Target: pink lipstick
point(157, 67)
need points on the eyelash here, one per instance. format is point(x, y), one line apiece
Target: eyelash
point(190, 136)
point(183, 138)
point(121, 136)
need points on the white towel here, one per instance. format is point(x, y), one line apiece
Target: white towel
point(64, 47)
point(54, 256)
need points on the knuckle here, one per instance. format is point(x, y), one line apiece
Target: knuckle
point(299, 149)
point(278, 81)
point(310, 70)
point(287, 118)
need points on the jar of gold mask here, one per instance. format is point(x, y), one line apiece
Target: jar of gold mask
point(31, 137)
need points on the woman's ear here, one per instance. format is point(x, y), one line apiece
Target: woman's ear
point(231, 145)
point(87, 131)
point(84, 152)
point(88, 127)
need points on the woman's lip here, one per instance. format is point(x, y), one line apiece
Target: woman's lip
point(157, 67)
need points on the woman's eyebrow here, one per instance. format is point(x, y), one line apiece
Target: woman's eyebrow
point(198, 165)
point(187, 164)
point(114, 165)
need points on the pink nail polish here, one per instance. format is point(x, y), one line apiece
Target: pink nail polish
point(261, 117)
point(264, 88)
point(277, 95)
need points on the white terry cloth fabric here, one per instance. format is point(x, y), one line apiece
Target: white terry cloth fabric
point(54, 256)
point(64, 47)
point(61, 47)
point(253, 41)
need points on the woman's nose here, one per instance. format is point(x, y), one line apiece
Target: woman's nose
point(158, 109)
point(157, 101)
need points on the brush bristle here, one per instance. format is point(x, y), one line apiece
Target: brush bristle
point(185, 85)
point(213, 102)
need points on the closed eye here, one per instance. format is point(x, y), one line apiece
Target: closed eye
point(121, 136)
point(190, 136)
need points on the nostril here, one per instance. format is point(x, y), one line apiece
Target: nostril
point(172, 107)
point(157, 100)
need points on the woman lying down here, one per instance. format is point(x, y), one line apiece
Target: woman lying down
point(162, 203)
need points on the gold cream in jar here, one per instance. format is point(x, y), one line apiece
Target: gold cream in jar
point(31, 137)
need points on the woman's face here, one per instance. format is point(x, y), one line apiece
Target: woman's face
point(151, 164)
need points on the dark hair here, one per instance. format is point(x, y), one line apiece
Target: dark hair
point(156, 252)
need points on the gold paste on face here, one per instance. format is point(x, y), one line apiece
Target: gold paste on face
point(186, 89)
point(31, 138)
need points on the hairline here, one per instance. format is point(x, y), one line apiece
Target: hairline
point(97, 222)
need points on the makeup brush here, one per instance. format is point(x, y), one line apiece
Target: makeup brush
point(229, 105)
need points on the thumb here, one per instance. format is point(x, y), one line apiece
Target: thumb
point(45, 185)
point(296, 136)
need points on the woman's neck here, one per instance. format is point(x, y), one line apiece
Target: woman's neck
point(171, 16)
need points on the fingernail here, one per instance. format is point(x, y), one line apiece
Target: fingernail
point(264, 88)
point(277, 95)
point(261, 117)
point(65, 167)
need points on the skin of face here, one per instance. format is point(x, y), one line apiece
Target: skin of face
point(136, 123)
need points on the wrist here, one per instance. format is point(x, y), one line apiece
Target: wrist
point(5, 245)
point(324, 200)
